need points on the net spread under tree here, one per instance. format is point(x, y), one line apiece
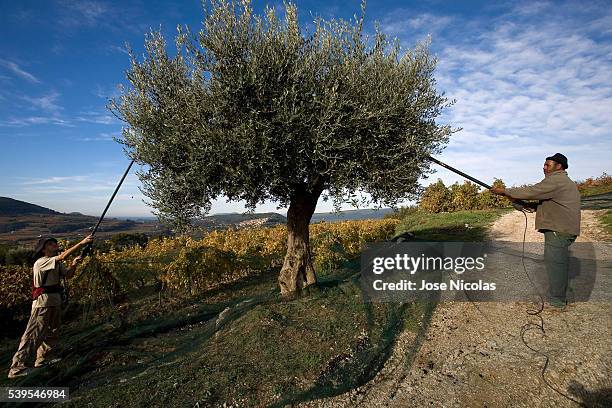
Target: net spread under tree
point(254, 108)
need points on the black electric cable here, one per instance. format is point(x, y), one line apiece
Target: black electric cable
point(539, 326)
point(522, 207)
point(531, 326)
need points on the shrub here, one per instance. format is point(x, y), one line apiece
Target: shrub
point(436, 198)
point(487, 200)
point(16, 285)
point(464, 196)
point(402, 212)
point(19, 256)
point(15, 296)
point(223, 256)
point(594, 186)
point(603, 180)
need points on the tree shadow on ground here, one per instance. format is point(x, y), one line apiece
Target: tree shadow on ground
point(596, 398)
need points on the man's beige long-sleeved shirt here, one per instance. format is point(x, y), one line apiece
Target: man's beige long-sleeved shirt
point(55, 270)
point(559, 207)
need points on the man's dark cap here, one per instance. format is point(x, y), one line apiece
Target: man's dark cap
point(41, 245)
point(559, 158)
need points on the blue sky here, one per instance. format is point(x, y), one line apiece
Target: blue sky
point(529, 78)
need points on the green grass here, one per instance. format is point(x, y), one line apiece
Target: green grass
point(606, 220)
point(264, 352)
point(468, 226)
point(595, 190)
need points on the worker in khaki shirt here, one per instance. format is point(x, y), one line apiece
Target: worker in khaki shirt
point(42, 332)
point(557, 217)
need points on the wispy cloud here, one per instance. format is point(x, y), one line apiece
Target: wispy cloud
point(532, 83)
point(34, 120)
point(106, 92)
point(403, 23)
point(117, 49)
point(99, 119)
point(20, 72)
point(67, 184)
point(87, 192)
point(55, 180)
point(101, 137)
point(429, 21)
point(83, 12)
point(47, 102)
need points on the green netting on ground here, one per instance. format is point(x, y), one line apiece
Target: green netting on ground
point(116, 347)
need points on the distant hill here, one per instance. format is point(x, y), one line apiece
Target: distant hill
point(240, 220)
point(23, 222)
point(266, 219)
point(364, 214)
point(269, 219)
point(12, 207)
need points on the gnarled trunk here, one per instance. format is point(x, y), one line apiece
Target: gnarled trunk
point(297, 271)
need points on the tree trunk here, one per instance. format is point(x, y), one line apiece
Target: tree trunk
point(298, 272)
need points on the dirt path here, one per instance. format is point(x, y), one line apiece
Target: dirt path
point(510, 227)
point(472, 354)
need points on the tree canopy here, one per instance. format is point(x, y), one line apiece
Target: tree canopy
point(255, 108)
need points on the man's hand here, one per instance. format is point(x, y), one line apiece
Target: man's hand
point(498, 190)
point(88, 239)
point(76, 261)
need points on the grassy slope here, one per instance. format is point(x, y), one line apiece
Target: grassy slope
point(596, 190)
point(454, 226)
point(263, 352)
point(606, 219)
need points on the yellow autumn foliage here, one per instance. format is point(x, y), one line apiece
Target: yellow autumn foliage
point(222, 256)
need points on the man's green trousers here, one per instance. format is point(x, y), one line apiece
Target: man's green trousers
point(556, 259)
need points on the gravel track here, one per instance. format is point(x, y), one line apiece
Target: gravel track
point(471, 355)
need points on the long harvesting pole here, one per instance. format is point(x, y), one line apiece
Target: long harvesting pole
point(518, 204)
point(87, 249)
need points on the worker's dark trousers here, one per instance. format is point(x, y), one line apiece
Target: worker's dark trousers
point(556, 259)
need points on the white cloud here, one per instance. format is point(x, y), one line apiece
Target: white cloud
point(85, 193)
point(403, 23)
point(20, 72)
point(96, 116)
point(83, 12)
point(117, 49)
point(99, 119)
point(529, 83)
point(55, 180)
point(101, 137)
point(525, 90)
point(35, 120)
point(47, 102)
point(106, 93)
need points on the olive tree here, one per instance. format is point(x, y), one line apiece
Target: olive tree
point(255, 108)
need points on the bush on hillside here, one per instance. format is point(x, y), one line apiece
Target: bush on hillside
point(594, 186)
point(19, 256)
point(402, 212)
point(464, 196)
point(436, 198)
point(458, 197)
